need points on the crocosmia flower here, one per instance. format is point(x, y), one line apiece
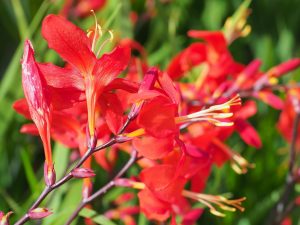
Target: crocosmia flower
point(81, 51)
point(39, 106)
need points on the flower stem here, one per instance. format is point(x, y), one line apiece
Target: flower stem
point(104, 189)
point(279, 211)
point(48, 189)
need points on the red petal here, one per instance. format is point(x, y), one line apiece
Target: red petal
point(270, 99)
point(248, 133)
point(35, 92)
point(109, 66)
point(157, 118)
point(70, 42)
point(112, 111)
point(161, 181)
point(191, 217)
point(153, 207)
point(284, 67)
point(21, 107)
point(30, 129)
point(120, 83)
point(146, 148)
point(215, 38)
point(58, 77)
point(64, 98)
point(168, 86)
point(247, 110)
point(185, 60)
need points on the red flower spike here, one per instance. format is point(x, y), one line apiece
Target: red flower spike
point(83, 173)
point(4, 218)
point(39, 213)
point(38, 103)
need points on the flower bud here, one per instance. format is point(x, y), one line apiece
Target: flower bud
point(4, 218)
point(49, 174)
point(284, 67)
point(39, 213)
point(83, 173)
point(91, 140)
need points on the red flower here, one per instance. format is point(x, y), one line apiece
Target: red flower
point(38, 101)
point(78, 49)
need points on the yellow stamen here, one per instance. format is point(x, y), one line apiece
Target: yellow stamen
point(211, 201)
point(220, 201)
point(213, 113)
point(97, 35)
point(236, 25)
point(239, 164)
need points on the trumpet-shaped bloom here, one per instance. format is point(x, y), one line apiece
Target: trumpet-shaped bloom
point(79, 50)
point(38, 101)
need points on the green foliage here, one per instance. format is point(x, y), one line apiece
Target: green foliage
point(274, 38)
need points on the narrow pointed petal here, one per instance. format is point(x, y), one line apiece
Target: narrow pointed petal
point(36, 94)
point(70, 42)
point(248, 133)
point(109, 66)
point(270, 99)
point(59, 77)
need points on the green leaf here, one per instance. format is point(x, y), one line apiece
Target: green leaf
point(29, 172)
point(21, 19)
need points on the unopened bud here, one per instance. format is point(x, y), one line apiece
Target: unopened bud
point(39, 213)
point(4, 218)
point(91, 139)
point(284, 67)
point(49, 174)
point(83, 173)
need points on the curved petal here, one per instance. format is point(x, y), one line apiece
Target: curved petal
point(109, 66)
point(59, 77)
point(70, 42)
point(247, 133)
point(145, 146)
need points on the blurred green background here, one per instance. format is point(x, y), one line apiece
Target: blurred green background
point(275, 37)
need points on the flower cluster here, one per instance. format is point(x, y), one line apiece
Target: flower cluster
point(116, 100)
